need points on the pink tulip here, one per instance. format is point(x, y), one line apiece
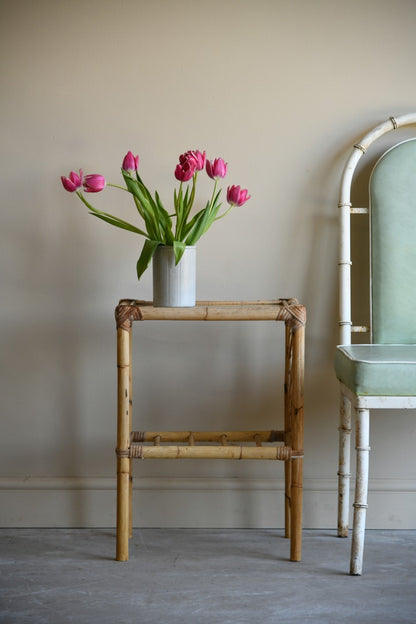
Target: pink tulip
point(237, 196)
point(194, 156)
point(200, 158)
point(216, 168)
point(184, 171)
point(94, 183)
point(130, 162)
point(73, 182)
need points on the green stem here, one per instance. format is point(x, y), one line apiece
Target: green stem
point(179, 197)
point(119, 187)
point(224, 213)
point(213, 193)
point(179, 211)
point(192, 198)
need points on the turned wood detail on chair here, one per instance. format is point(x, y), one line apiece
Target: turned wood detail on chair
point(381, 374)
point(284, 445)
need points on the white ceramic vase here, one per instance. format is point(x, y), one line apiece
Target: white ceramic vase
point(174, 285)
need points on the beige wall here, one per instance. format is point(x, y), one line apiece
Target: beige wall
point(279, 89)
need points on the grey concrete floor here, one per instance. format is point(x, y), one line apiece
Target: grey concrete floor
point(204, 576)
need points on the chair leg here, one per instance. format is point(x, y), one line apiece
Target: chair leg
point(344, 466)
point(361, 489)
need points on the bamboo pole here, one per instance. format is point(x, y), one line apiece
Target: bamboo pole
point(287, 426)
point(130, 428)
point(141, 451)
point(298, 338)
point(123, 443)
point(209, 436)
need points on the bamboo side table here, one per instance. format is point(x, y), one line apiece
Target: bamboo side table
point(214, 444)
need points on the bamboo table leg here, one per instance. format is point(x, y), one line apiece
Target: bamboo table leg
point(298, 338)
point(123, 442)
point(287, 425)
point(130, 429)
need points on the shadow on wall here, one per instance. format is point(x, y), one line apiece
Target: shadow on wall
point(312, 249)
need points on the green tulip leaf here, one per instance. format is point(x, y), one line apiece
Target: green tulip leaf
point(105, 216)
point(178, 250)
point(200, 226)
point(146, 255)
point(118, 223)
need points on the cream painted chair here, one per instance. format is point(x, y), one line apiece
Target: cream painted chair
point(381, 374)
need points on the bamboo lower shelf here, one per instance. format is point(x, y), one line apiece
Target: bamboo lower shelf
point(195, 444)
point(284, 445)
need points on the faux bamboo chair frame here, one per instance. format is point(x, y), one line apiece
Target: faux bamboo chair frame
point(360, 404)
point(214, 444)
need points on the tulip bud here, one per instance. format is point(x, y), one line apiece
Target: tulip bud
point(94, 183)
point(237, 196)
point(216, 168)
point(73, 182)
point(130, 162)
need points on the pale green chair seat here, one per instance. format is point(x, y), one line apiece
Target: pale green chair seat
point(377, 369)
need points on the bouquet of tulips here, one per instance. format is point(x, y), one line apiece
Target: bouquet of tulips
point(158, 222)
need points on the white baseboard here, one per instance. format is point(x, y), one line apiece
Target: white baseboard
point(193, 502)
